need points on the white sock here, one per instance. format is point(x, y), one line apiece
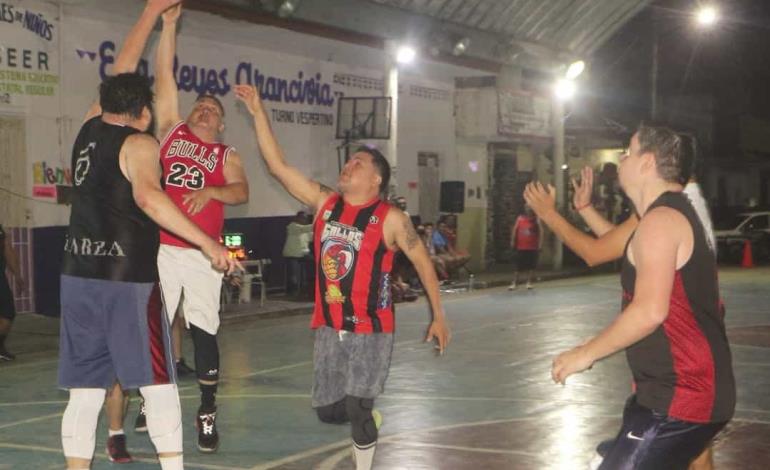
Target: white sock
point(115, 433)
point(364, 455)
point(171, 463)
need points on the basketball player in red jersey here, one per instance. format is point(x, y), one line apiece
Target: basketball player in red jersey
point(356, 234)
point(201, 175)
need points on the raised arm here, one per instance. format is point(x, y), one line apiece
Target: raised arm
point(131, 52)
point(166, 91)
point(655, 249)
point(399, 232)
point(593, 251)
point(234, 192)
point(309, 192)
point(139, 162)
point(582, 201)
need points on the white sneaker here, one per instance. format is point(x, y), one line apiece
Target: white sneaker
point(512, 286)
point(529, 285)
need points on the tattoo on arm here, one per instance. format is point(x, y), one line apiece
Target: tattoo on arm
point(325, 189)
point(411, 236)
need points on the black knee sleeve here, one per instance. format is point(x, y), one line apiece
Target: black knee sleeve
point(362, 426)
point(206, 354)
point(336, 413)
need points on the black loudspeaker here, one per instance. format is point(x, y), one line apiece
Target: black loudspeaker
point(452, 196)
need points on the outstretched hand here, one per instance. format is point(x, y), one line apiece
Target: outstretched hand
point(583, 188)
point(171, 15)
point(249, 95)
point(540, 198)
point(161, 6)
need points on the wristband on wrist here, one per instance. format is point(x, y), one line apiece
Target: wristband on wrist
point(580, 208)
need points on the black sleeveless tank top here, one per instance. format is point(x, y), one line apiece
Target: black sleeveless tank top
point(109, 237)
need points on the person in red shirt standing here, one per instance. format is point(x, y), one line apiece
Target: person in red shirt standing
point(526, 240)
point(200, 175)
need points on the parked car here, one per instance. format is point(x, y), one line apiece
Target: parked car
point(732, 232)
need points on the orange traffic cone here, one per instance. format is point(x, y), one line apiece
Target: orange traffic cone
point(748, 259)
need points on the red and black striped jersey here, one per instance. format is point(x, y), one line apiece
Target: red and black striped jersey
point(684, 368)
point(353, 266)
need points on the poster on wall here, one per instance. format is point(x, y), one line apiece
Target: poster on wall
point(524, 114)
point(29, 42)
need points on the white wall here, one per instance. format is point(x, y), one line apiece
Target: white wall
point(213, 43)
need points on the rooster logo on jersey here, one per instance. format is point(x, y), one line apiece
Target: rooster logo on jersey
point(336, 259)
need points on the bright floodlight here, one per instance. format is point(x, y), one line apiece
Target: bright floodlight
point(565, 89)
point(461, 46)
point(707, 16)
point(287, 8)
point(575, 69)
point(405, 55)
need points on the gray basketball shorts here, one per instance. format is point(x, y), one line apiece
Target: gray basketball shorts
point(346, 363)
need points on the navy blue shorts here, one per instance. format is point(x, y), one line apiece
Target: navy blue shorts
point(649, 440)
point(110, 331)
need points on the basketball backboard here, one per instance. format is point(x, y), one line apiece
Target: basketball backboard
point(361, 118)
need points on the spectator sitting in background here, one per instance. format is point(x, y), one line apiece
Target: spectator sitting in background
point(453, 260)
point(438, 263)
point(296, 249)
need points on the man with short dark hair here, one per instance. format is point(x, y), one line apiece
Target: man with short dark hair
point(112, 325)
point(356, 237)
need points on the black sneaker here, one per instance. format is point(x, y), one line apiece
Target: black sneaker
point(5, 355)
point(208, 438)
point(183, 369)
point(116, 449)
point(140, 425)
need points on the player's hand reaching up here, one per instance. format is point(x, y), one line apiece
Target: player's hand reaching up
point(160, 6)
point(541, 199)
point(171, 15)
point(583, 189)
point(250, 97)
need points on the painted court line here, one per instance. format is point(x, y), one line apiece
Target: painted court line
point(97, 456)
point(31, 420)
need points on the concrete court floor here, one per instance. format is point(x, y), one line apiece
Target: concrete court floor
point(487, 404)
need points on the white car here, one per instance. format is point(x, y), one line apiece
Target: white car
point(731, 234)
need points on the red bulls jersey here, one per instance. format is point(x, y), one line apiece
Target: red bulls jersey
point(190, 164)
point(353, 266)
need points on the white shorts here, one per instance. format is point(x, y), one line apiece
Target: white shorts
point(186, 272)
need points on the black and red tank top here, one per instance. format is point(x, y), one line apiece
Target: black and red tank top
point(684, 368)
point(353, 267)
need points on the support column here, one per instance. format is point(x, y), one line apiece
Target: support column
point(558, 173)
point(391, 90)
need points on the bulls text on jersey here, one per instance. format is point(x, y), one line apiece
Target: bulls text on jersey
point(186, 149)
